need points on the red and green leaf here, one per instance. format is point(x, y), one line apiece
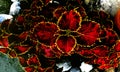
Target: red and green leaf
point(66, 43)
point(70, 20)
point(88, 33)
point(108, 37)
point(44, 32)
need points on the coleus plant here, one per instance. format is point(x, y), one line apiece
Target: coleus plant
point(45, 32)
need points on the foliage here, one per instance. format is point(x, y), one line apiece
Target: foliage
point(45, 32)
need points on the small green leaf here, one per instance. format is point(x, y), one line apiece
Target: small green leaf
point(9, 64)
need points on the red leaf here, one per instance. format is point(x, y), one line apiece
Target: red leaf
point(20, 20)
point(101, 61)
point(113, 56)
point(101, 51)
point(66, 43)
point(108, 37)
point(50, 69)
point(117, 46)
point(115, 63)
point(33, 61)
point(118, 54)
point(12, 53)
point(5, 24)
point(58, 12)
point(37, 18)
point(36, 5)
point(82, 12)
point(86, 53)
point(29, 69)
point(79, 1)
point(4, 42)
point(45, 32)
point(70, 20)
point(46, 51)
point(40, 69)
point(21, 49)
point(4, 50)
point(57, 52)
point(89, 32)
point(46, 1)
point(23, 35)
point(105, 66)
point(103, 15)
point(22, 60)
